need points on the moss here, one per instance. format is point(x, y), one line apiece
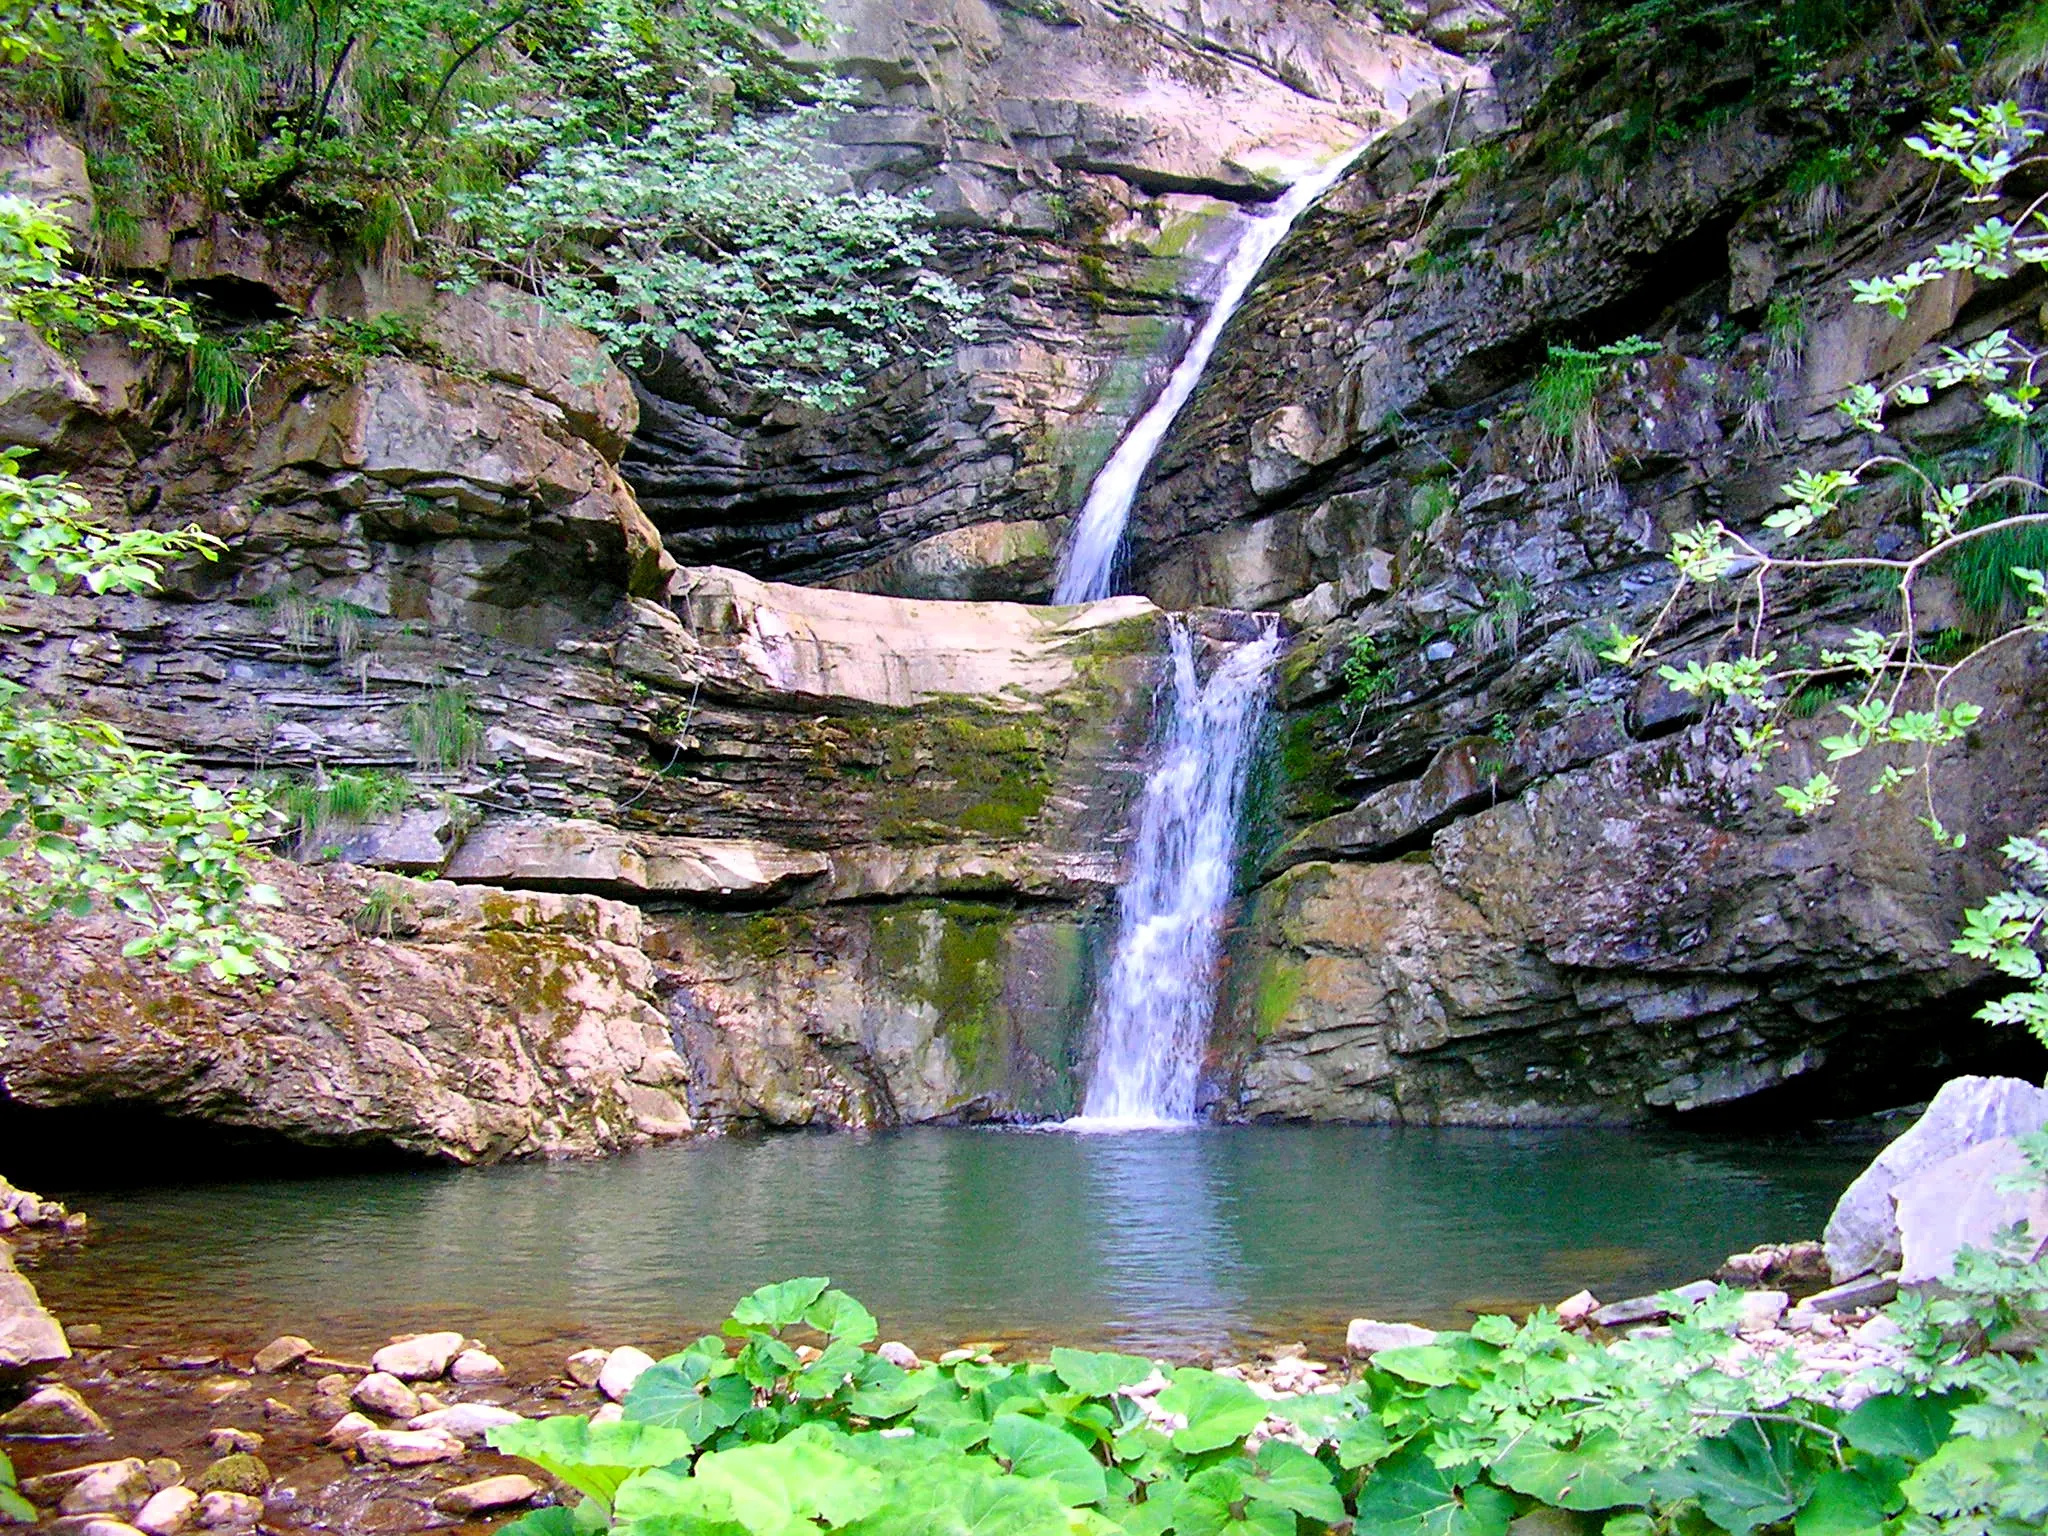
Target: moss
point(238, 1473)
point(949, 956)
point(1312, 764)
point(1279, 987)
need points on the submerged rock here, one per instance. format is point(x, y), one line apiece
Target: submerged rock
point(383, 1393)
point(487, 1494)
point(167, 1511)
point(30, 1337)
point(408, 1447)
point(52, 1413)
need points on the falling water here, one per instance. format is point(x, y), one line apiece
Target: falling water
point(1088, 568)
point(1152, 1013)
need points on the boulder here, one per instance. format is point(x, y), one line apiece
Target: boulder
point(30, 1338)
point(281, 1354)
point(474, 1365)
point(54, 1412)
point(1961, 1202)
point(239, 1472)
point(167, 1511)
point(381, 1392)
point(466, 1421)
point(1364, 1338)
point(345, 1431)
point(622, 1368)
point(111, 1487)
point(487, 1494)
point(422, 1357)
point(408, 1447)
point(224, 1510)
point(1862, 1235)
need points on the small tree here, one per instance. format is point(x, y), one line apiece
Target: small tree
point(85, 816)
point(1904, 704)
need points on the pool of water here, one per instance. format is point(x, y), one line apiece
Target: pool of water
point(1175, 1243)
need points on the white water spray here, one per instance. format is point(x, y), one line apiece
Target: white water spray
point(1088, 567)
point(1152, 1012)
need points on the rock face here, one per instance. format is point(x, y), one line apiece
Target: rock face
point(1514, 884)
point(1083, 160)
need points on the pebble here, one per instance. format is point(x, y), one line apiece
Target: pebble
point(348, 1429)
point(281, 1354)
point(900, 1355)
point(408, 1447)
point(474, 1365)
point(226, 1511)
point(334, 1384)
point(421, 1357)
point(94, 1525)
point(1364, 1337)
point(491, 1493)
point(228, 1439)
point(168, 1511)
point(621, 1370)
point(466, 1421)
point(54, 1412)
point(381, 1392)
point(586, 1365)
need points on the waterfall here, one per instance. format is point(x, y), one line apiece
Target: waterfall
point(1088, 567)
point(1152, 1013)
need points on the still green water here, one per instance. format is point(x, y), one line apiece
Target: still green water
point(1168, 1242)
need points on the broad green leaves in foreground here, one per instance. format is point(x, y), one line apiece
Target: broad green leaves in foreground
point(788, 1427)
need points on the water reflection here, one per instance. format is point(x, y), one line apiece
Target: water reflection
point(1162, 1241)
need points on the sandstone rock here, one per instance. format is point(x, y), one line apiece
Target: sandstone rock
point(1801, 1265)
point(30, 1338)
point(1958, 1203)
point(1854, 1295)
point(465, 1421)
point(111, 1487)
point(52, 1413)
point(1577, 1309)
point(1862, 1234)
point(383, 1393)
point(42, 392)
point(240, 1472)
point(475, 1365)
point(168, 1511)
point(1651, 1309)
point(487, 1494)
point(348, 1429)
point(422, 1357)
point(1761, 1310)
point(587, 1365)
point(1364, 1338)
point(281, 1354)
point(622, 1367)
point(408, 1448)
point(49, 169)
point(224, 1510)
point(91, 1525)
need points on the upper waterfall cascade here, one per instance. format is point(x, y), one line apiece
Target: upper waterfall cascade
point(1152, 1012)
point(1088, 566)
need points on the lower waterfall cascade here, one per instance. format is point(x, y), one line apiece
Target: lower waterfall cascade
point(1153, 1008)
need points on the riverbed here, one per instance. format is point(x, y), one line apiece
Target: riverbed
point(1177, 1243)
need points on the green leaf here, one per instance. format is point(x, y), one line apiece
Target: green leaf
point(591, 1458)
point(1428, 1365)
point(1847, 1502)
point(1755, 1474)
point(1410, 1495)
point(16, 1508)
point(845, 1319)
point(1034, 1448)
point(1219, 1409)
point(671, 1395)
point(775, 1307)
point(1896, 1424)
point(1293, 1479)
point(1095, 1373)
point(1593, 1475)
point(556, 1520)
point(770, 1490)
